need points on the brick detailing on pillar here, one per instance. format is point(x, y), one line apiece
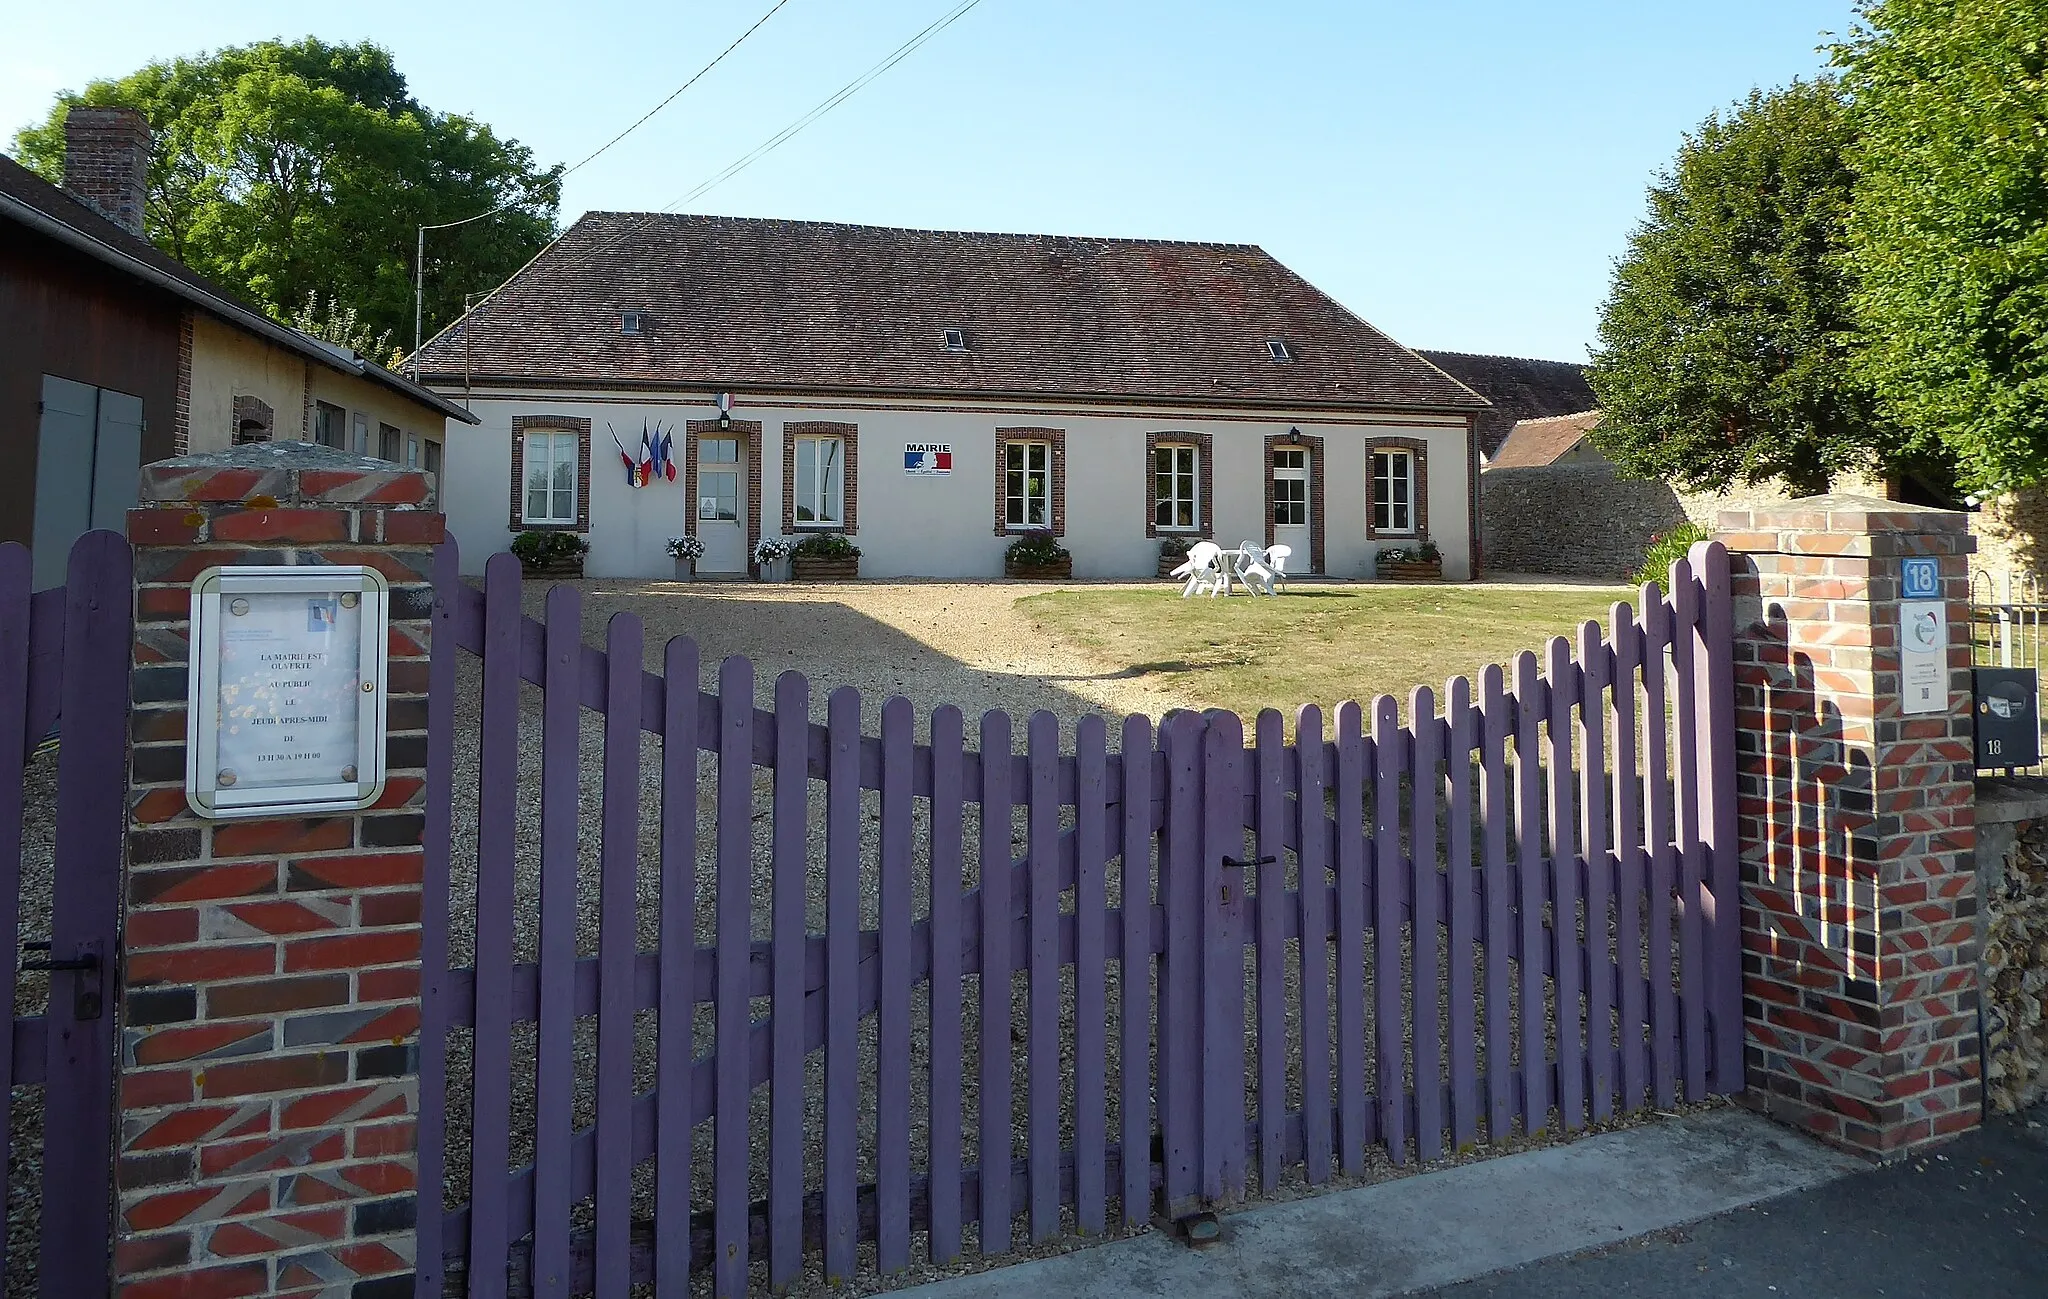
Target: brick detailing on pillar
point(270, 990)
point(1857, 828)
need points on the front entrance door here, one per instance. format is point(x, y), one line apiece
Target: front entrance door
point(721, 509)
point(88, 458)
point(1290, 504)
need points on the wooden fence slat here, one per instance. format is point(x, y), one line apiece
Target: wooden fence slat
point(1354, 764)
point(1662, 857)
point(16, 582)
point(842, 985)
point(1091, 852)
point(1042, 1043)
point(1390, 1071)
point(732, 1157)
point(496, 894)
point(1534, 873)
point(892, 1042)
point(677, 928)
point(1628, 915)
point(1180, 971)
point(1134, 971)
point(1313, 867)
point(1567, 948)
point(560, 813)
point(430, 1257)
point(618, 871)
point(1270, 796)
point(1495, 813)
point(1426, 796)
point(1221, 998)
point(1461, 728)
point(1685, 708)
point(1596, 668)
point(790, 871)
point(1723, 920)
point(947, 800)
point(996, 898)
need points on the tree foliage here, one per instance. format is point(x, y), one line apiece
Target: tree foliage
point(1725, 337)
point(1949, 229)
point(290, 172)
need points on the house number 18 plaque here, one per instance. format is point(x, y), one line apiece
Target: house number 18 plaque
point(286, 695)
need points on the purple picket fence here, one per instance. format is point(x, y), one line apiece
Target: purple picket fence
point(776, 992)
point(64, 662)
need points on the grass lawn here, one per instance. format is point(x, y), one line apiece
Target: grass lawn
point(1312, 645)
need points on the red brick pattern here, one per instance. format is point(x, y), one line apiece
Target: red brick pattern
point(1857, 828)
point(850, 504)
point(1056, 471)
point(181, 420)
point(106, 162)
point(270, 987)
point(561, 424)
point(1205, 480)
point(1316, 532)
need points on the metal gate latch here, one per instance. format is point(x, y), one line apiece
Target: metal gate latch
point(85, 993)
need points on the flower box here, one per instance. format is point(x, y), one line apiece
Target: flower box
point(1058, 570)
point(1411, 570)
point(1167, 563)
point(553, 569)
point(812, 568)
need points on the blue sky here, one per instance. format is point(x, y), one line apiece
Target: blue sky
point(1461, 173)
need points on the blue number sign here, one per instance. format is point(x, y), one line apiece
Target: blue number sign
point(1920, 580)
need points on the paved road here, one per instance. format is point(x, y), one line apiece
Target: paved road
point(1971, 1219)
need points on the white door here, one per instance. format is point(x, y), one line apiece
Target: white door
point(1290, 504)
point(721, 510)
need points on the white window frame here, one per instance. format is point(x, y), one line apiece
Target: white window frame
point(1397, 525)
point(826, 501)
point(1290, 474)
point(1017, 504)
point(547, 448)
point(1190, 479)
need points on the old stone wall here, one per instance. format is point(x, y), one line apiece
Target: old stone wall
point(1586, 520)
point(2012, 889)
point(2009, 530)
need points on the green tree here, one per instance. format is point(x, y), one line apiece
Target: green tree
point(293, 171)
point(1725, 337)
point(1949, 231)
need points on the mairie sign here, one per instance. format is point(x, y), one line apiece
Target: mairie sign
point(928, 457)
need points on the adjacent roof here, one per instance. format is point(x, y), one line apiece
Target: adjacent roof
point(1534, 443)
point(740, 303)
point(1518, 387)
point(29, 200)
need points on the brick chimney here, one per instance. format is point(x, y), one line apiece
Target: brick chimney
point(106, 162)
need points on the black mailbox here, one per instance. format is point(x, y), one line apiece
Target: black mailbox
point(2007, 716)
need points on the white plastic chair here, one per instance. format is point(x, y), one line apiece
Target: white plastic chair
point(1276, 559)
point(1203, 570)
point(1255, 568)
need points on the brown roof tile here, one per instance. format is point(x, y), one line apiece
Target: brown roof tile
point(1533, 443)
point(741, 303)
point(1519, 388)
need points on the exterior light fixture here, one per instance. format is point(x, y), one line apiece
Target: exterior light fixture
point(724, 412)
point(1294, 437)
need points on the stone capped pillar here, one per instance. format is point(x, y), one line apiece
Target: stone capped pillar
point(270, 994)
point(1856, 826)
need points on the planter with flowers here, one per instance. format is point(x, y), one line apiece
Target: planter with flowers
point(824, 557)
point(686, 551)
point(1418, 563)
point(550, 554)
point(1038, 556)
point(1173, 552)
point(771, 559)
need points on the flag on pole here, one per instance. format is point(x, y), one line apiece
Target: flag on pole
point(632, 476)
point(665, 455)
point(645, 469)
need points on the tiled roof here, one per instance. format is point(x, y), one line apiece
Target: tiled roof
point(1534, 443)
point(25, 196)
point(739, 303)
point(1518, 387)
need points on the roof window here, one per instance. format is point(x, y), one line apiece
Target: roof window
point(956, 340)
point(630, 322)
point(1278, 349)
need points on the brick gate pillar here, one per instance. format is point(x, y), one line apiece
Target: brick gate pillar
point(270, 991)
point(1856, 826)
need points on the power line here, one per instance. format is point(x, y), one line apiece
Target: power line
point(420, 252)
point(762, 150)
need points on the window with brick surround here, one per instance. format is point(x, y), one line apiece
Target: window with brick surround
point(1176, 503)
point(1397, 489)
point(574, 432)
point(550, 490)
point(820, 481)
point(1027, 485)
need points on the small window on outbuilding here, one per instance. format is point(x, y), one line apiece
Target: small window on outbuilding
point(630, 322)
point(1278, 349)
point(956, 340)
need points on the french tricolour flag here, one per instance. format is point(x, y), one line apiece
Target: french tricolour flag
point(940, 462)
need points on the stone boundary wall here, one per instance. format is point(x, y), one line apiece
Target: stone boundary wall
point(1586, 520)
point(2012, 927)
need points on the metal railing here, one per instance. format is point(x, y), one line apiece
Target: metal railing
point(2006, 611)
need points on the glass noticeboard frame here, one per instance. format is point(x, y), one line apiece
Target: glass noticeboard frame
point(286, 690)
